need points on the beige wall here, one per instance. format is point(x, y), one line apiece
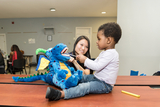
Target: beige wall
point(139, 47)
point(64, 32)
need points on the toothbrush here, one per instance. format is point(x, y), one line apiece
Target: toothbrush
point(70, 55)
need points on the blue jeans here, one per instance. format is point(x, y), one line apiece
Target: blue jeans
point(88, 84)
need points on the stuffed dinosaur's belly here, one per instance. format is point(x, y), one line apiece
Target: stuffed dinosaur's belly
point(63, 66)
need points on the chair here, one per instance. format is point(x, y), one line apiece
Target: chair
point(2, 64)
point(134, 73)
point(18, 66)
point(156, 73)
point(2, 69)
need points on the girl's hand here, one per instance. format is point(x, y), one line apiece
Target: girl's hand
point(71, 59)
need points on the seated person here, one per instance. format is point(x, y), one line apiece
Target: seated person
point(2, 64)
point(14, 54)
point(81, 45)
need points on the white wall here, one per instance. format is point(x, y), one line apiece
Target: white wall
point(139, 47)
point(61, 26)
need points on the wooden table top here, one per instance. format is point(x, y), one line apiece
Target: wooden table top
point(7, 79)
point(121, 80)
point(137, 80)
point(34, 95)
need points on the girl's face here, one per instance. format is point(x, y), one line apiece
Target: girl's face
point(82, 46)
point(102, 40)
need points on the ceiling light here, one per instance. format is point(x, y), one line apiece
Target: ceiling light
point(103, 12)
point(52, 9)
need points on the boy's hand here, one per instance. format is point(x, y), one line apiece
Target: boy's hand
point(81, 58)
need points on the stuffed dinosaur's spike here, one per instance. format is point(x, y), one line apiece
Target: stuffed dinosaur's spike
point(34, 74)
point(30, 78)
point(40, 50)
point(45, 73)
point(37, 73)
point(41, 73)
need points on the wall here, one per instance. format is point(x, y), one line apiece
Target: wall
point(139, 47)
point(26, 28)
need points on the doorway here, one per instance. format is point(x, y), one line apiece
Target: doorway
point(3, 44)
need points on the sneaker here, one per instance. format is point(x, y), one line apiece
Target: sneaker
point(53, 94)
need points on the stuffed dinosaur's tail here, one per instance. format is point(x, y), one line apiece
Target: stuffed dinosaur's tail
point(31, 78)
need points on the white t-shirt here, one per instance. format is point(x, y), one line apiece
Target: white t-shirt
point(106, 66)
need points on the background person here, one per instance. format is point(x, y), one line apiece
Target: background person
point(2, 64)
point(14, 54)
point(82, 46)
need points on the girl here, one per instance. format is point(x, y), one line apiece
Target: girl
point(82, 46)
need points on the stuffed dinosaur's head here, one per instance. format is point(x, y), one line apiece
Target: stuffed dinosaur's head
point(58, 52)
point(53, 54)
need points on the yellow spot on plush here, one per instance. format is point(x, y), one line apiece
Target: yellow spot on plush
point(43, 64)
point(63, 66)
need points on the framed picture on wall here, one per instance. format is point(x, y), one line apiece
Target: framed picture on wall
point(49, 38)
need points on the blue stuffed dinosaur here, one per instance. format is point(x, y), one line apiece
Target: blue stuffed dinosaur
point(60, 74)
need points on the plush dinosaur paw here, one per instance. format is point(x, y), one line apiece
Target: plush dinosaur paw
point(71, 81)
point(61, 74)
point(72, 70)
point(80, 74)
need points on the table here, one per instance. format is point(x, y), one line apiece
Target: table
point(121, 80)
point(138, 81)
point(27, 57)
point(34, 95)
point(7, 79)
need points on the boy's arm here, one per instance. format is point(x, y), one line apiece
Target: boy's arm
point(81, 58)
point(100, 62)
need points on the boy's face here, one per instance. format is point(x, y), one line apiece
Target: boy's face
point(102, 40)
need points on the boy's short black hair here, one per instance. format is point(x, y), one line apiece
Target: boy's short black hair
point(111, 29)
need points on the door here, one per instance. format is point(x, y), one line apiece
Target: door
point(86, 31)
point(3, 44)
